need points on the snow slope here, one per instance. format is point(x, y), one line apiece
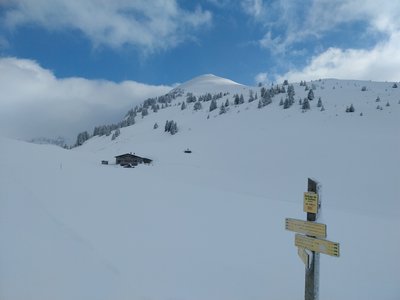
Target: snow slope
point(209, 225)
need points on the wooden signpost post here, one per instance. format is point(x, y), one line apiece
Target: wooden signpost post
point(313, 242)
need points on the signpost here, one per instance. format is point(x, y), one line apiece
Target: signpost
point(313, 242)
point(305, 257)
point(310, 202)
point(317, 245)
point(305, 227)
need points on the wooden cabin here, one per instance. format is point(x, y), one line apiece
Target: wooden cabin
point(131, 159)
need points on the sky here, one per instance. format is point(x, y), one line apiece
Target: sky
point(66, 66)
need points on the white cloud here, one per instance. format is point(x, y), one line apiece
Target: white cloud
point(220, 3)
point(35, 103)
point(289, 22)
point(262, 78)
point(382, 63)
point(148, 25)
point(254, 8)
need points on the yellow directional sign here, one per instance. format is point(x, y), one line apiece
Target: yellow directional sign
point(310, 202)
point(305, 227)
point(317, 245)
point(304, 256)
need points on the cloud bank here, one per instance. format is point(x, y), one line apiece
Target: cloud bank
point(148, 25)
point(382, 63)
point(288, 24)
point(34, 103)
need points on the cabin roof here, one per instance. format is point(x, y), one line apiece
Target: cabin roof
point(127, 155)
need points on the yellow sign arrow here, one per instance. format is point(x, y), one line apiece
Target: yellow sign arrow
point(317, 245)
point(306, 227)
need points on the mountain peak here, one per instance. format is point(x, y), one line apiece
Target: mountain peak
point(209, 83)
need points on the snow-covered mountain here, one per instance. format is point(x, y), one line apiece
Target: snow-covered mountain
point(210, 224)
point(210, 83)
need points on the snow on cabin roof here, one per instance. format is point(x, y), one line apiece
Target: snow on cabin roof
point(127, 154)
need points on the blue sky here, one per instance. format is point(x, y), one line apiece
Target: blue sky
point(156, 44)
point(235, 39)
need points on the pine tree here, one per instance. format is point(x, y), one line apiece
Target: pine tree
point(286, 104)
point(222, 109)
point(319, 104)
point(310, 95)
point(174, 128)
point(197, 106)
point(155, 107)
point(251, 96)
point(130, 120)
point(183, 106)
point(306, 104)
point(227, 103)
point(241, 99)
point(281, 102)
point(167, 127)
point(155, 126)
point(144, 112)
point(116, 133)
point(236, 99)
point(213, 105)
point(290, 91)
point(190, 98)
point(81, 138)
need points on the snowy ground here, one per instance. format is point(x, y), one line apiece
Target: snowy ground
point(208, 225)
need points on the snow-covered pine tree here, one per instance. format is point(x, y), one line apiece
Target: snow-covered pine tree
point(306, 104)
point(197, 106)
point(190, 98)
point(145, 112)
point(259, 104)
point(81, 138)
point(222, 109)
point(251, 96)
point(116, 133)
point(174, 128)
